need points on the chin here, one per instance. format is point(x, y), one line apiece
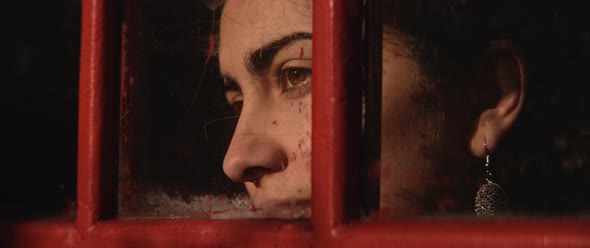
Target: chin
point(284, 208)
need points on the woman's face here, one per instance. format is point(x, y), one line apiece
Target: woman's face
point(265, 59)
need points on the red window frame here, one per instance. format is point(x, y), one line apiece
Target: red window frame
point(336, 102)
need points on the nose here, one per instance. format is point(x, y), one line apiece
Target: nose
point(252, 156)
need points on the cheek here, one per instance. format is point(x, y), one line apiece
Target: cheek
point(404, 124)
point(298, 114)
point(300, 123)
point(400, 116)
point(304, 150)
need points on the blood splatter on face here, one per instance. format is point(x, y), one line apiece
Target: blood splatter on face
point(273, 79)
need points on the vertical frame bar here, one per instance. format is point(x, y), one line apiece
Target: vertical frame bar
point(336, 114)
point(99, 70)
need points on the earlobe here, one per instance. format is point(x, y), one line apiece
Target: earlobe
point(500, 91)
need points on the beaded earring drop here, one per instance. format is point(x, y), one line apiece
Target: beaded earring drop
point(490, 199)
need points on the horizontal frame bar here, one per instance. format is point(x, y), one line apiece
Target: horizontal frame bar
point(160, 233)
point(566, 232)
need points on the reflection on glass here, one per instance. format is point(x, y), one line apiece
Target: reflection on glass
point(215, 93)
point(175, 123)
point(466, 80)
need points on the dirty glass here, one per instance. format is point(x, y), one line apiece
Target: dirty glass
point(477, 94)
point(215, 110)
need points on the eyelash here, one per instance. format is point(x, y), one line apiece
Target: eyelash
point(288, 91)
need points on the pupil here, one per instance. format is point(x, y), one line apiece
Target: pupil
point(295, 77)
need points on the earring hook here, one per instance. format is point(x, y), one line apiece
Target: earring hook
point(490, 198)
point(487, 166)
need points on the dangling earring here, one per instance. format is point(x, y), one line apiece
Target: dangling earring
point(490, 199)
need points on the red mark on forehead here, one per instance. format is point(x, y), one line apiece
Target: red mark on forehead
point(275, 122)
point(301, 53)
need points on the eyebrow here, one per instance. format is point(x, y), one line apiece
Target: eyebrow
point(259, 60)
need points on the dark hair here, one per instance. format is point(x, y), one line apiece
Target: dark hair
point(543, 161)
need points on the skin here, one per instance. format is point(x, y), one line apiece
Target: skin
point(403, 168)
point(265, 60)
point(271, 148)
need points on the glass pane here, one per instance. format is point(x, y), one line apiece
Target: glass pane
point(483, 93)
point(215, 110)
point(40, 112)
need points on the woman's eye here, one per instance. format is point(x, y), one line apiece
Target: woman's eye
point(295, 77)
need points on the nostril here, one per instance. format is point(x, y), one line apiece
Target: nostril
point(253, 174)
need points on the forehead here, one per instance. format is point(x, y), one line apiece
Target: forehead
point(246, 25)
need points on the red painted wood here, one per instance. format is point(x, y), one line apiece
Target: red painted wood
point(159, 233)
point(336, 115)
point(90, 112)
point(41, 234)
point(567, 232)
point(190, 233)
point(99, 67)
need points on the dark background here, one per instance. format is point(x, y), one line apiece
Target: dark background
point(179, 92)
point(40, 104)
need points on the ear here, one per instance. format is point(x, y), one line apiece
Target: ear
point(500, 92)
